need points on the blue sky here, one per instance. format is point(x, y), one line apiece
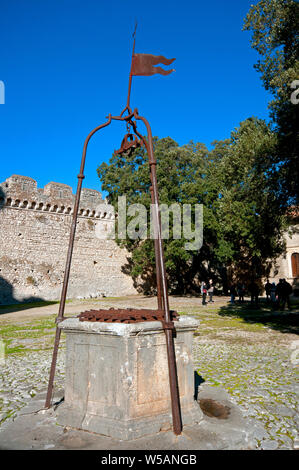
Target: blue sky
point(65, 65)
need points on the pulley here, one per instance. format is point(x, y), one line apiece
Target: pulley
point(129, 142)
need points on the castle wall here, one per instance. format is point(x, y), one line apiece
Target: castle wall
point(34, 233)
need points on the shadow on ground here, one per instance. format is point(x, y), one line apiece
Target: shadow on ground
point(198, 380)
point(286, 321)
point(30, 302)
point(8, 302)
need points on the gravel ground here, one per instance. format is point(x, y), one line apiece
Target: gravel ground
point(256, 364)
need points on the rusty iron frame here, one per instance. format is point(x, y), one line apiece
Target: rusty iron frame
point(162, 291)
point(125, 315)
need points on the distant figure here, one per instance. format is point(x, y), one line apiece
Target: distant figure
point(279, 292)
point(254, 293)
point(211, 290)
point(241, 292)
point(268, 287)
point(273, 294)
point(285, 290)
point(233, 293)
point(203, 290)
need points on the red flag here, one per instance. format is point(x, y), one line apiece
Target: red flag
point(143, 64)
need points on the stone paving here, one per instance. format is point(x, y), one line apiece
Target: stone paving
point(255, 363)
point(262, 381)
point(22, 377)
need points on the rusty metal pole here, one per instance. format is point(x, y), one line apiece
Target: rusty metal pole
point(156, 242)
point(157, 257)
point(168, 325)
point(158, 267)
point(60, 315)
point(142, 139)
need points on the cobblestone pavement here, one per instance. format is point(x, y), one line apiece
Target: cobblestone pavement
point(256, 364)
point(23, 376)
point(262, 381)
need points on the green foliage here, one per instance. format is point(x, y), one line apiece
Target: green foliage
point(242, 221)
point(275, 36)
point(248, 213)
point(180, 173)
point(245, 183)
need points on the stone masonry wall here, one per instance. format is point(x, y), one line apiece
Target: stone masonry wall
point(34, 233)
point(283, 265)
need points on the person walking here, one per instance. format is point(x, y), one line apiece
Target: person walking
point(285, 294)
point(203, 290)
point(211, 290)
point(268, 287)
point(279, 293)
point(273, 294)
point(241, 292)
point(233, 293)
point(254, 293)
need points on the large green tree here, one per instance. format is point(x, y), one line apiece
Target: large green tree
point(242, 221)
point(180, 174)
point(245, 183)
point(275, 36)
point(249, 222)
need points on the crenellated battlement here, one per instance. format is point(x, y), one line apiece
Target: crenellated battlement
point(35, 226)
point(21, 192)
